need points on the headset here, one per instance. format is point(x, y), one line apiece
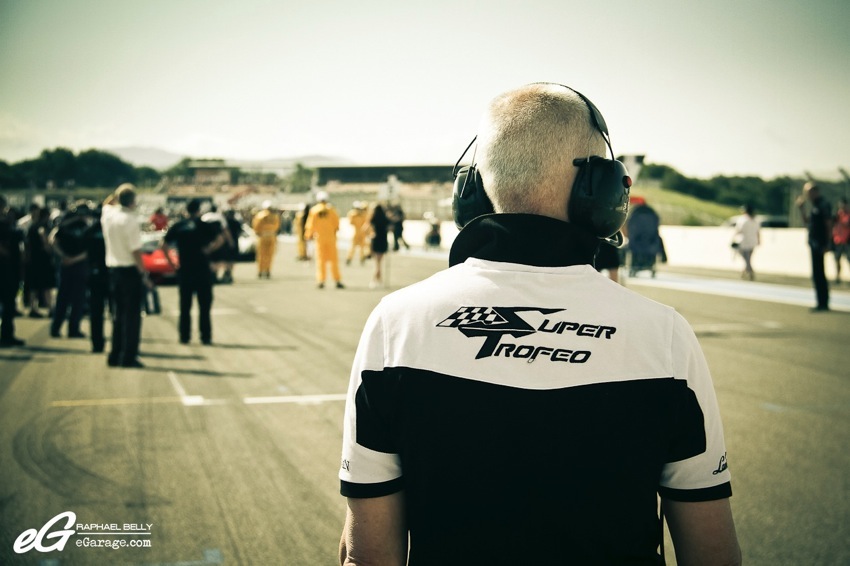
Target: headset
point(599, 200)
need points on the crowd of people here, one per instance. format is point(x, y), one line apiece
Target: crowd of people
point(827, 232)
point(84, 259)
point(53, 259)
point(56, 263)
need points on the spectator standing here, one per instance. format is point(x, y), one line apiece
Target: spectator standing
point(11, 242)
point(195, 241)
point(218, 258)
point(69, 245)
point(40, 272)
point(98, 282)
point(358, 218)
point(818, 220)
point(745, 240)
point(298, 225)
point(380, 226)
point(159, 220)
point(642, 229)
point(396, 216)
point(457, 450)
point(266, 225)
point(234, 230)
point(433, 239)
point(25, 221)
point(323, 224)
point(841, 237)
point(127, 275)
point(57, 214)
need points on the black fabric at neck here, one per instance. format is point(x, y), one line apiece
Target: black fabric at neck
point(527, 239)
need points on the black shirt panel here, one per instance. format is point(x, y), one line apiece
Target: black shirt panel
point(95, 247)
point(71, 236)
point(489, 439)
point(819, 216)
point(190, 236)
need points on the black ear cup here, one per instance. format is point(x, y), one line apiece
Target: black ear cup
point(469, 201)
point(599, 201)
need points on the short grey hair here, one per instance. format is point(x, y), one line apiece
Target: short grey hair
point(526, 145)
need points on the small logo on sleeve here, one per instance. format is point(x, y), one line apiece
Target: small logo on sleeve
point(722, 466)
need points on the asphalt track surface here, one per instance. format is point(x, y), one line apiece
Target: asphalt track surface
point(228, 454)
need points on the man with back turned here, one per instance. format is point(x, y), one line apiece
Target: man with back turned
point(519, 407)
point(818, 220)
point(127, 275)
point(195, 240)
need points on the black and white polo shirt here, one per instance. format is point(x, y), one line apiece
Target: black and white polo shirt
point(529, 407)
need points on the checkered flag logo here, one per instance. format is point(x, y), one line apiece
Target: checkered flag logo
point(469, 315)
point(492, 323)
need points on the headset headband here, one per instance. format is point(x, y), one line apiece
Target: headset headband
point(595, 115)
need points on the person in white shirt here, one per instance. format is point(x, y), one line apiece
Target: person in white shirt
point(746, 239)
point(458, 450)
point(127, 274)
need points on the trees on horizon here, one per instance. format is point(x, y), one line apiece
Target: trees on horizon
point(60, 168)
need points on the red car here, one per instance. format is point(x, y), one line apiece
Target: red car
point(154, 259)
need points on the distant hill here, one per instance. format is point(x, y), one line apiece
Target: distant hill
point(676, 209)
point(160, 159)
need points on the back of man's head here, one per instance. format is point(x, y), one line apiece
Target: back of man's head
point(81, 207)
point(126, 194)
point(193, 207)
point(527, 142)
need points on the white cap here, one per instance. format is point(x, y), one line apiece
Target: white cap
point(267, 204)
point(322, 196)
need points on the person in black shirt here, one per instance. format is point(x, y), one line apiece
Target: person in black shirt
point(195, 240)
point(819, 222)
point(68, 241)
point(98, 282)
point(10, 274)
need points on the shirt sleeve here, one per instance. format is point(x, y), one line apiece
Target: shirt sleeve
point(700, 475)
point(370, 465)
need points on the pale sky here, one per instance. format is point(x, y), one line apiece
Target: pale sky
point(729, 87)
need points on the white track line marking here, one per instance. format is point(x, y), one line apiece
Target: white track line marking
point(187, 400)
point(200, 401)
point(299, 399)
